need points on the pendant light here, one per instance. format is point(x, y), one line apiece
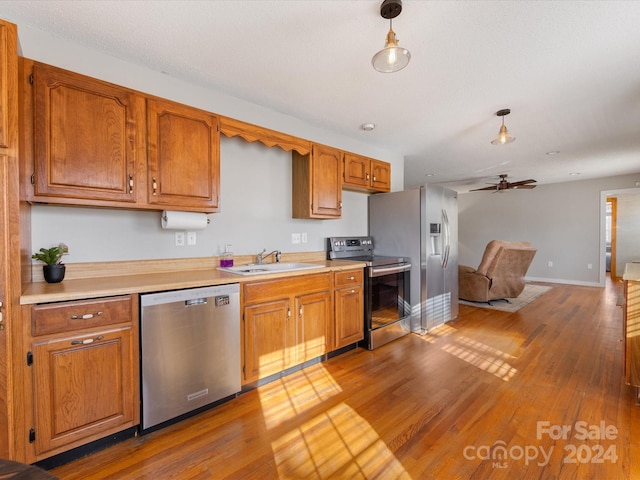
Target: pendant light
point(503, 136)
point(391, 58)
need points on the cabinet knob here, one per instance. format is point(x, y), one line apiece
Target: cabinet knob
point(154, 185)
point(130, 184)
point(351, 278)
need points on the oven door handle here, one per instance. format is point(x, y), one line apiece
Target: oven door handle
point(379, 271)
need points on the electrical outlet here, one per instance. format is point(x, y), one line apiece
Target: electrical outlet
point(295, 238)
point(549, 263)
point(303, 237)
point(589, 266)
point(179, 239)
point(191, 238)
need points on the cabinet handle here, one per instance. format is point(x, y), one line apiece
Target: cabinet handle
point(288, 313)
point(374, 178)
point(1, 326)
point(130, 184)
point(86, 316)
point(367, 176)
point(155, 185)
point(300, 312)
point(87, 341)
point(351, 278)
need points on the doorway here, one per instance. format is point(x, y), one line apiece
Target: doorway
point(610, 235)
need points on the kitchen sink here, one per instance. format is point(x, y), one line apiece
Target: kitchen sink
point(265, 268)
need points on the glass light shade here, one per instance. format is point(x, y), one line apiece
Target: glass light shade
point(391, 58)
point(503, 137)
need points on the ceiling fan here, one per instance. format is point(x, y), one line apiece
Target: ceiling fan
point(503, 185)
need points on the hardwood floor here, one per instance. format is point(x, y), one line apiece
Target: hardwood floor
point(485, 396)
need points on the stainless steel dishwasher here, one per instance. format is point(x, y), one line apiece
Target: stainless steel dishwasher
point(190, 350)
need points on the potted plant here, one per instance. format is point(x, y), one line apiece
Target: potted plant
point(54, 269)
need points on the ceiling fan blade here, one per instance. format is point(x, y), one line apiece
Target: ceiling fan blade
point(493, 187)
point(522, 182)
point(521, 187)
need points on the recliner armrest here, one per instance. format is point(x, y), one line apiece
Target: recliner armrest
point(464, 269)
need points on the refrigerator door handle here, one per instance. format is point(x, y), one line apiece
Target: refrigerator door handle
point(447, 239)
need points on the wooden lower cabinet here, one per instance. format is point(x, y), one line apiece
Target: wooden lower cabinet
point(349, 307)
point(85, 380)
point(286, 322)
point(631, 326)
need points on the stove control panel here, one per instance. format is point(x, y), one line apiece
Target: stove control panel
point(339, 246)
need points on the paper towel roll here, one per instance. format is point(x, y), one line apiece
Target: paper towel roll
point(184, 220)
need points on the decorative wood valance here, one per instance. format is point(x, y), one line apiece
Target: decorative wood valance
point(271, 138)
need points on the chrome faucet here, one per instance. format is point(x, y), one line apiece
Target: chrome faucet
point(276, 253)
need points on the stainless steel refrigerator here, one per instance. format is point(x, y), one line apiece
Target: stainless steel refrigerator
point(421, 224)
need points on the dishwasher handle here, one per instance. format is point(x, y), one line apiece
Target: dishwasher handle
point(195, 301)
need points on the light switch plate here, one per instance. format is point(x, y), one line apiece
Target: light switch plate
point(295, 238)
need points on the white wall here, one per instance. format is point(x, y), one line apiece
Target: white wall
point(564, 221)
point(255, 180)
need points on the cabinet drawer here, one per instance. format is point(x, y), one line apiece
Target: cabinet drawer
point(267, 290)
point(348, 278)
point(69, 316)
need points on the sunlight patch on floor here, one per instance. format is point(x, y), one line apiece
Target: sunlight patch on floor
point(284, 398)
point(440, 331)
point(483, 356)
point(338, 443)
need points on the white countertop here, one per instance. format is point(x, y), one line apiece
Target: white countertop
point(632, 271)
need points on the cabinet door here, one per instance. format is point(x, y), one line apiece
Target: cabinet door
point(314, 313)
point(631, 325)
point(269, 328)
point(356, 170)
point(326, 182)
point(84, 387)
point(317, 183)
point(10, 236)
point(380, 175)
point(349, 315)
point(184, 156)
point(88, 135)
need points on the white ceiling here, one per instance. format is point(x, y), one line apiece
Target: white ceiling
point(568, 70)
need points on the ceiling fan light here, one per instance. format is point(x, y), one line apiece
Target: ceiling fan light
point(391, 58)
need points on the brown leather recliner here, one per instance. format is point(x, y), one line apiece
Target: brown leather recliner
point(500, 274)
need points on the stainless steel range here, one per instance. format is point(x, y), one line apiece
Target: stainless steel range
point(387, 309)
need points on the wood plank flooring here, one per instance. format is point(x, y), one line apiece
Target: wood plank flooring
point(485, 396)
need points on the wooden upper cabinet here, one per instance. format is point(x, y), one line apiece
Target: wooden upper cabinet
point(363, 173)
point(317, 183)
point(87, 138)
point(380, 176)
point(8, 86)
point(183, 156)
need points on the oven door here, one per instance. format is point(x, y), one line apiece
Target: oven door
point(387, 302)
